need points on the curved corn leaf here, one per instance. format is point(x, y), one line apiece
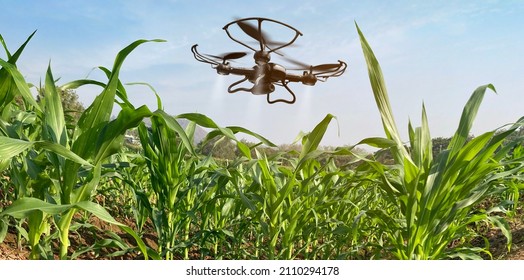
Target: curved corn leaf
point(466, 120)
point(158, 100)
point(61, 151)
point(98, 113)
point(112, 136)
point(18, 83)
point(382, 100)
point(54, 122)
point(238, 129)
point(175, 126)
point(311, 141)
point(102, 214)
point(10, 147)
point(22, 207)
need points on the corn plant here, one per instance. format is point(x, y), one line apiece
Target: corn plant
point(178, 177)
point(94, 139)
point(436, 196)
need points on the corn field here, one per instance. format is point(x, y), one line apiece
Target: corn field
point(61, 180)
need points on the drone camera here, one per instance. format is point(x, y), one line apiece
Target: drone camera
point(263, 88)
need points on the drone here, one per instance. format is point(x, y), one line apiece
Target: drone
point(266, 75)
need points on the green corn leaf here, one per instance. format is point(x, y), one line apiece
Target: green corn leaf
point(158, 100)
point(246, 201)
point(312, 140)
point(206, 122)
point(19, 83)
point(3, 229)
point(503, 225)
point(244, 149)
point(377, 142)
point(120, 90)
point(54, 122)
point(466, 120)
point(421, 146)
point(2, 41)
point(175, 126)
point(22, 207)
point(13, 58)
point(237, 129)
point(10, 147)
point(61, 151)
point(98, 113)
point(7, 90)
point(78, 83)
point(381, 98)
point(112, 136)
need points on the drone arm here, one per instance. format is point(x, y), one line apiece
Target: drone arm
point(247, 72)
point(294, 78)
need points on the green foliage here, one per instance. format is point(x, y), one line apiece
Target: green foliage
point(72, 107)
point(437, 195)
point(227, 198)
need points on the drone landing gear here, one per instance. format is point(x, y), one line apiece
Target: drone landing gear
point(262, 88)
point(283, 100)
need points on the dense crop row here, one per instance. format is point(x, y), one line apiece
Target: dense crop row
point(56, 173)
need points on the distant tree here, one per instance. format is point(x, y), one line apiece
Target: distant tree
point(73, 108)
point(440, 144)
point(219, 147)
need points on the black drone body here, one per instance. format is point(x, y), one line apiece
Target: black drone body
point(265, 75)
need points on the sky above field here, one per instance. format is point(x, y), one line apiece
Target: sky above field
point(431, 52)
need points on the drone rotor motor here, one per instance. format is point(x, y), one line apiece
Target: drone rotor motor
point(223, 69)
point(262, 57)
point(309, 79)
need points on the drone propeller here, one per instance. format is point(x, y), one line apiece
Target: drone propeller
point(325, 67)
point(252, 31)
point(259, 35)
point(303, 66)
point(228, 56)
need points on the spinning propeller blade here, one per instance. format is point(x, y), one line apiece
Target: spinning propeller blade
point(303, 66)
point(258, 35)
point(252, 31)
point(325, 67)
point(300, 65)
point(229, 56)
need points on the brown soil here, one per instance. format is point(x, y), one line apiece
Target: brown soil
point(10, 251)
point(498, 241)
point(81, 238)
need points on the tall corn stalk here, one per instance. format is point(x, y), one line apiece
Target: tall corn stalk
point(436, 196)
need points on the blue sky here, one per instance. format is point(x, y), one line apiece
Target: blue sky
point(436, 52)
